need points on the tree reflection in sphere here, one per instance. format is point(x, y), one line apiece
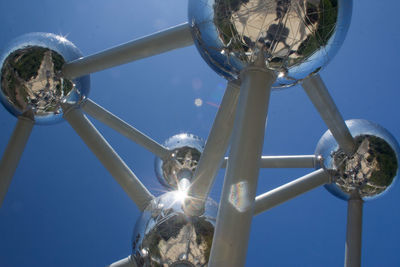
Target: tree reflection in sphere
point(31, 78)
point(165, 236)
point(296, 38)
point(370, 171)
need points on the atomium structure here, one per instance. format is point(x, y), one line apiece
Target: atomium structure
point(257, 46)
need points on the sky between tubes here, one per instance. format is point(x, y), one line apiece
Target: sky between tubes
point(64, 209)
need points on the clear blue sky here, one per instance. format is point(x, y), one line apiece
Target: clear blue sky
point(63, 208)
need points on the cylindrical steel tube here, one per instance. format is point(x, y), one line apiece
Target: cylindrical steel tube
point(112, 121)
point(323, 102)
point(13, 153)
point(214, 151)
point(163, 41)
point(237, 201)
point(108, 157)
point(127, 262)
point(354, 232)
point(290, 190)
point(298, 161)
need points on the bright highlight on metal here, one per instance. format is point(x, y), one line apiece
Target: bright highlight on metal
point(166, 236)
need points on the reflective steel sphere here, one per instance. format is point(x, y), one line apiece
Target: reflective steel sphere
point(295, 38)
point(31, 79)
point(165, 236)
point(370, 171)
point(185, 154)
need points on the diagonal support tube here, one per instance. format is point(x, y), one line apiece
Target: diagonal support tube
point(108, 157)
point(323, 102)
point(354, 231)
point(214, 151)
point(163, 41)
point(298, 161)
point(127, 262)
point(235, 212)
point(109, 119)
point(13, 153)
point(290, 190)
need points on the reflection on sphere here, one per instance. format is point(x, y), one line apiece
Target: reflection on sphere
point(370, 171)
point(185, 150)
point(295, 38)
point(31, 79)
point(164, 236)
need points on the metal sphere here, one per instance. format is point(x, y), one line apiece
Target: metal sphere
point(370, 171)
point(165, 236)
point(31, 79)
point(185, 150)
point(294, 38)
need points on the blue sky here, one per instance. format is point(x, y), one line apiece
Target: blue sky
point(64, 209)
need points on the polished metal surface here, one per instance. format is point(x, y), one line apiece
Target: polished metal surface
point(185, 154)
point(31, 80)
point(370, 171)
point(295, 38)
point(165, 236)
